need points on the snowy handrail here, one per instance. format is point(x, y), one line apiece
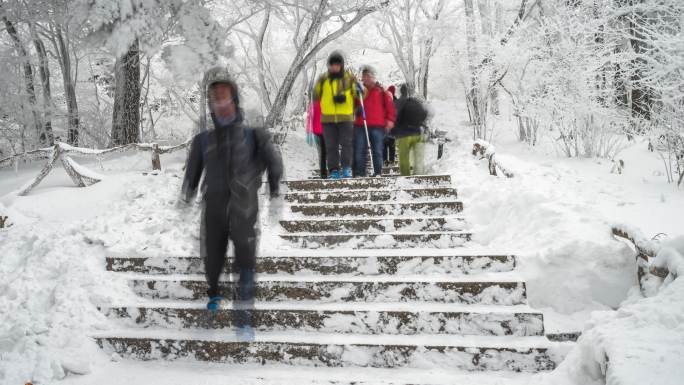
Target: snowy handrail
point(646, 251)
point(42, 153)
point(82, 176)
point(45, 153)
point(486, 150)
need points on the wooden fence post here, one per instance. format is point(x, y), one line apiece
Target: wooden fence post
point(156, 162)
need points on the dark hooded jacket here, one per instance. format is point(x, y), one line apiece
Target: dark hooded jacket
point(233, 158)
point(411, 116)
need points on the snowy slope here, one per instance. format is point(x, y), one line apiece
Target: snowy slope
point(555, 214)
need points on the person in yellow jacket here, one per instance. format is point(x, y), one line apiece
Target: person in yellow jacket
point(336, 90)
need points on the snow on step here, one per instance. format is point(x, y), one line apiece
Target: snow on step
point(378, 319)
point(378, 209)
point(438, 239)
point(328, 263)
point(374, 225)
point(372, 195)
point(416, 301)
point(200, 372)
point(498, 289)
point(369, 183)
point(326, 349)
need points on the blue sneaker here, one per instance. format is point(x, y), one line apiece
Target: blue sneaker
point(334, 175)
point(245, 334)
point(347, 172)
point(246, 287)
point(214, 304)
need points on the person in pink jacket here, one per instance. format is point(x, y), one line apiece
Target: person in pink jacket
point(314, 129)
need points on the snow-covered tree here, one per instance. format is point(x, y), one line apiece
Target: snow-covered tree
point(130, 27)
point(413, 30)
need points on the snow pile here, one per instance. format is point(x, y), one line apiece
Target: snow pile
point(149, 221)
point(640, 343)
point(52, 281)
point(565, 250)
point(52, 263)
point(671, 257)
point(556, 216)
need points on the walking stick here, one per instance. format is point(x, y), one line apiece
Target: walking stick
point(365, 124)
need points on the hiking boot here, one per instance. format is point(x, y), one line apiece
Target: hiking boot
point(214, 303)
point(334, 174)
point(347, 172)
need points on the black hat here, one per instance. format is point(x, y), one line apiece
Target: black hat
point(336, 57)
point(220, 74)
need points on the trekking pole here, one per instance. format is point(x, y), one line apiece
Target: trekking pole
point(365, 124)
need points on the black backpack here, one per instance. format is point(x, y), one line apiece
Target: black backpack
point(413, 113)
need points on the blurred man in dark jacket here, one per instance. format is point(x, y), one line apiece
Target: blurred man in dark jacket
point(233, 158)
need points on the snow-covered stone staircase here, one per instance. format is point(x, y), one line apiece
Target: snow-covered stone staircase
point(380, 274)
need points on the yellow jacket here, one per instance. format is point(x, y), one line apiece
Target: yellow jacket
point(326, 88)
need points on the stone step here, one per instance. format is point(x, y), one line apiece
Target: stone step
point(375, 319)
point(442, 239)
point(346, 196)
point(327, 265)
point(491, 289)
point(369, 183)
point(373, 225)
point(338, 350)
point(378, 209)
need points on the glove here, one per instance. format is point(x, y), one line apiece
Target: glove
point(275, 208)
point(182, 204)
point(310, 139)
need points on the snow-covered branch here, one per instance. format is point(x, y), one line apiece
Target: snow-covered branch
point(652, 258)
point(486, 150)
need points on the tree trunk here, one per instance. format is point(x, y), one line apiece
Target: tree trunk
point(307, 51)
point(259, 42)
point(424, 76)
point(642, 99)
point(473, 94)
point(275, 114)
point(126, 115)
point(47, 137)
point(28, 80)
point(488, 25)
point(64, 56)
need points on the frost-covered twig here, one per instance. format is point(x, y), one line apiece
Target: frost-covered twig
point(486, 150)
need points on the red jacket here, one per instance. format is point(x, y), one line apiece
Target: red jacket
point(313, 119)
point(379, 108)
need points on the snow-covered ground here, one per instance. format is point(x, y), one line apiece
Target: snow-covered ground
point(555, 214)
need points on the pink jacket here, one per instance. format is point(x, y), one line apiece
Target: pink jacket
point(313, 118)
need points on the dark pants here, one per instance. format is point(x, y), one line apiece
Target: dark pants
point(390, 152)
point(320, 144)
point(217, 227)
point(377, 138)
point(338, 138)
